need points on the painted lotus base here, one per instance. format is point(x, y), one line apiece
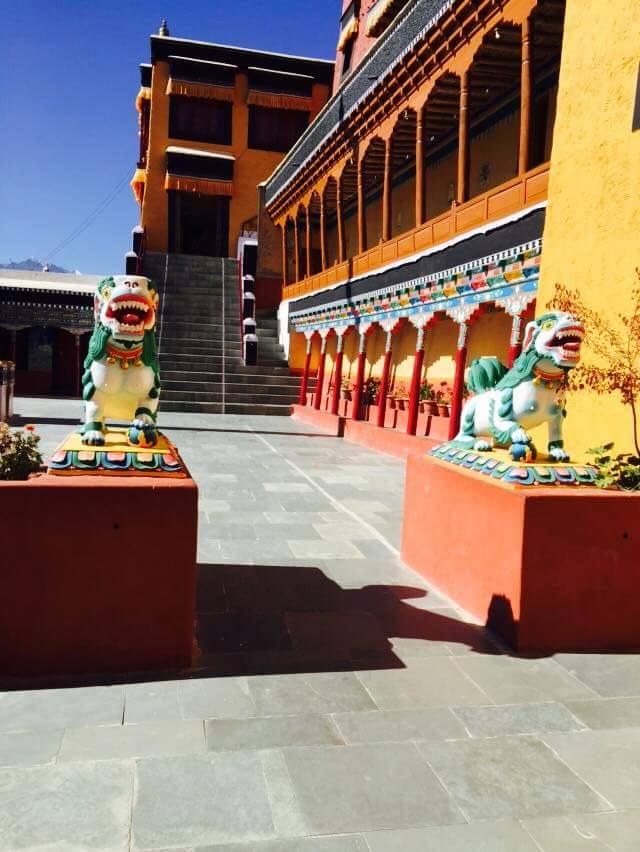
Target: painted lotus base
point(499, 465)
point(116, 458)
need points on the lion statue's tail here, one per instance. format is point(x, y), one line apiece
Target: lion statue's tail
point(484, 374)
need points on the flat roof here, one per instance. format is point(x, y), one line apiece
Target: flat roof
point(53, 282)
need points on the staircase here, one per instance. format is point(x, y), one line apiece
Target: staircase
point(199, 343)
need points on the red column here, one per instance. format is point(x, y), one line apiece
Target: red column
point(337, 375)
point(317, 400)
point(284, 255)
point(515, 343)
point(358, 386)
point(416, 381)
point(384, 382)
point(463, 140)
point(458, 382)
point(13, 345)
point(305, 376)
point(386, 193)
point(525, 98)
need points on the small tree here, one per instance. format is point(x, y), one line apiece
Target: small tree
point(616, 342)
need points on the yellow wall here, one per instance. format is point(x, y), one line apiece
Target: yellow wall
point(591, 233)
point(250, 169)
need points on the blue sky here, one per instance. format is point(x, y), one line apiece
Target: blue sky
point(68, 125)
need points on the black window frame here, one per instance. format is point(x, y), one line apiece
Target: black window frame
point(180, 128)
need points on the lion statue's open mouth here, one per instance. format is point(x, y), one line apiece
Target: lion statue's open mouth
point(127, 307)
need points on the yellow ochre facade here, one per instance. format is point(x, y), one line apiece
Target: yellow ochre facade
point(592, 229)
point(501, 138)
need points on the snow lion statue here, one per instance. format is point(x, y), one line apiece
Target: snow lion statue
point(121, 379)
point(509, 402)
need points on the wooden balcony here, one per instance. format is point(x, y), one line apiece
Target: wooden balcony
point(510, 197)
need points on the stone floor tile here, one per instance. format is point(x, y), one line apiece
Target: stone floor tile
point(357, 506)
point(348, 789)
point(609, 675)
point(607, 712)
point(562, 834)
point(282, 532)
point(512, 680)
point(272, 732)
point(349, 631)
point(197, 801)
point(499, 836)
point(301, 694)
point(215, 698)
point(288, 487)
point(321, 549)
point(328, 843)
point(84, 806)
point(29, 748)
point(429, 682)
point(399, 725)
point(614, 830)
point(508, 777)
point(360, 572)
point(53, 709)
point(607, 760)
point(147, 739)
point(498, 721)
point(345, 529)
point(153, 701)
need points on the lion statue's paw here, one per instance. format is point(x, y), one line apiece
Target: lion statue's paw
point(93, 438)
point(558, 454)
point(482, 446)
point(519, 436)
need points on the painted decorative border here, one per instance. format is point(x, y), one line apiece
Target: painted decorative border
point(513, 473)
point(110, 462)
point(511, 276)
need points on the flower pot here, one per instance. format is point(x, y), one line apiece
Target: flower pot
point(402, 404)
point(430, 407)
point(392, 402)
point(345, 394)
point(443, 410)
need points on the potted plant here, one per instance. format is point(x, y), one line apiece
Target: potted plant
point(443, 399)
point(346, 388)
point(428, 403)
point(401, 396)
point(371, 391)
point(19, 454)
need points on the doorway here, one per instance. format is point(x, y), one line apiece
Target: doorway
point(199, 224)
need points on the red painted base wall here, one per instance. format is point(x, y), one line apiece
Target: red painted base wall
point(98, 574)
point(548, 569)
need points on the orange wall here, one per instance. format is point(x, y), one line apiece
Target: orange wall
point(251, 166)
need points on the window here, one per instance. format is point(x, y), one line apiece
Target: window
point(347, 53)
point(200, 120)
point(275, 129)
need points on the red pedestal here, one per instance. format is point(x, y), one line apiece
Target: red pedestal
point(98, 574)
point(549, 569)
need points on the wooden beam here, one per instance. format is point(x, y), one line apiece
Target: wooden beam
point(463, 140)
point(525, 99)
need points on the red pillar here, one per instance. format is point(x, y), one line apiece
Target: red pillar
point(317, 400)
point(358, 386)
point(337, 375)
point(305, 376)
point(416, 381)
point(13, 345)
point(515, 343)
point(384, 382)
point(458, 382)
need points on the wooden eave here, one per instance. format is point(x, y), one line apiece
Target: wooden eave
point(461, 23)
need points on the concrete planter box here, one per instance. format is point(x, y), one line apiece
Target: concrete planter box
point(98, 574)
point(549, 569)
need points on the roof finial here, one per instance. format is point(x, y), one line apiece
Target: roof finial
point(164, 29)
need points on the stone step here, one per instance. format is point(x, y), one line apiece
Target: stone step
point(217, 396)
point(184, 389)
point(229, 408)
point(215, 376)
point(203, 363)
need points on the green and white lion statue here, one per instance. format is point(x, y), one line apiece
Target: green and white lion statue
point(507, 403)
point(121, 379)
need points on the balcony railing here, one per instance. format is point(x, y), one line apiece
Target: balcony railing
point(510, 197)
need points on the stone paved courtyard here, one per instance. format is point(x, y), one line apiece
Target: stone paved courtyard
point(337, 705)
